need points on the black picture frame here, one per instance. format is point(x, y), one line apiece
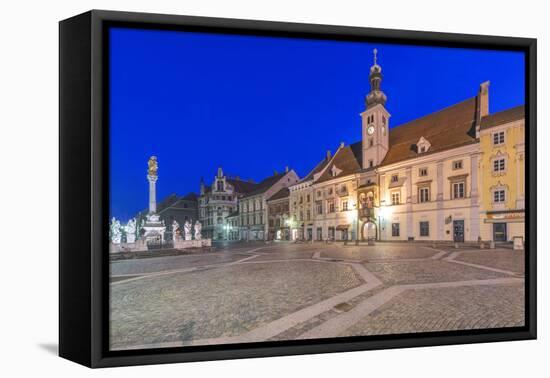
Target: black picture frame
point(83, 197)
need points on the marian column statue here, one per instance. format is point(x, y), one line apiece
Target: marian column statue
point(175, 230)
point(187, 228)
point(154, 227)
point(130, 229)
point(116, 233)
point(198, 228)
point(152, 176)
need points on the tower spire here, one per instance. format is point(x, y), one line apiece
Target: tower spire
point(375, 96)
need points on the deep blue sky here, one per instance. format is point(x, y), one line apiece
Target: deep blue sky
point(255, 104)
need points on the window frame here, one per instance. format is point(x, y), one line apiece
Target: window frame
point(424, 231)
point(395, 229)
point(497, 140)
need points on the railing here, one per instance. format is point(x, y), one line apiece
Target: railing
point(366, 213)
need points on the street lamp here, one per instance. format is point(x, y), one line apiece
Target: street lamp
point(352, 217)
point(385, 213)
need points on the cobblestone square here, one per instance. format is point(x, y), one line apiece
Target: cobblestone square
point(257, 292)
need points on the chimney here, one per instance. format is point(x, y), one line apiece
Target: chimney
point(220, 172)
point(484, 98)
point(329, 155)
point(202, 185)
point(342, 144)
point(286, 169)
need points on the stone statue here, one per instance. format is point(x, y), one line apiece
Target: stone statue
point(198, 228)
point(116, 232)
point(175, 230)
point(130, 230)
point(153, 166)
point(187, 228)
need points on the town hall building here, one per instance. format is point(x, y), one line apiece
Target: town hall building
point(416, 181)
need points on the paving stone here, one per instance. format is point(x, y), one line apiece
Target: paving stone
point(510, 260)
point(446, 309)
point(219, 302)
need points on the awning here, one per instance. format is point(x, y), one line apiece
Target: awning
point(342, 227)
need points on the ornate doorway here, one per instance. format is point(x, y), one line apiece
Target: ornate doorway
point(369, 231)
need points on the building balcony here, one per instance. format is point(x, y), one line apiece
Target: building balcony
point(366, 213)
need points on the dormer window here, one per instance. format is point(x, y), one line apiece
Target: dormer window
point(334, 171)
point(422, 145)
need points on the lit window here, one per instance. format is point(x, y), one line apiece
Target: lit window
point(395, 198)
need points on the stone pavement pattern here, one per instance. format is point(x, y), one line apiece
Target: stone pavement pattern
point(260, 292)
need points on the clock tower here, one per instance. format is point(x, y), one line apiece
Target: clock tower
point(375, 120)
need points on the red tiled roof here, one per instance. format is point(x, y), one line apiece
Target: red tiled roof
point(347, 159)
point(283, 193)
point(242, 187)
point(502, 117)
point(448, 128)
point(265, 184)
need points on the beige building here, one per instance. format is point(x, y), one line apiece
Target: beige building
point(301, 203)
point(278, 215)
point(253, 205)
point(218, 201)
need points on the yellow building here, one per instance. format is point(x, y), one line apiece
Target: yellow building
point(502, 173)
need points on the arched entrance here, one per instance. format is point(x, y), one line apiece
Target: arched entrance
point(369, 231)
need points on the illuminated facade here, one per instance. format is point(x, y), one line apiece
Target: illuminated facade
point(502, 170)
point(418, 181)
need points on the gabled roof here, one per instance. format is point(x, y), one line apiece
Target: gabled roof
point(265, 184)
point(448, 128)
point(505, 116)
point(241, 186)
point(348, 160)
point(283, 193)
point(318, 168)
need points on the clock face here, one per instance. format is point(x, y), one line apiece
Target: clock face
point(370, 129)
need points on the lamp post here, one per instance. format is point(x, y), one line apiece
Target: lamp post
point(353, 218)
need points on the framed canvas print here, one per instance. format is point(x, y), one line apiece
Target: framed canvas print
point(233, 188)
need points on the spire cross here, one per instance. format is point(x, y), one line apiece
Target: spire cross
point(375, 51)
